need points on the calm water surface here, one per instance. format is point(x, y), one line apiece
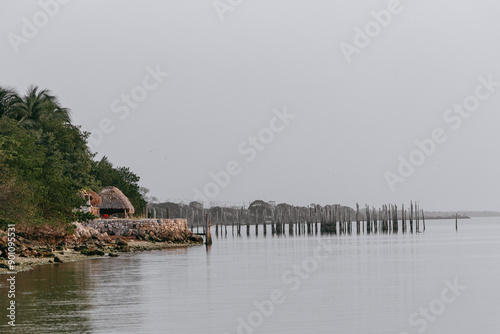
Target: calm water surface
point(352, 284)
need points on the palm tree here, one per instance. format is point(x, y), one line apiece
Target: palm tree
point(38, 106)
point(8, 101)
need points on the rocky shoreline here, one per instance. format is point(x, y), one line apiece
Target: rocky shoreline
point(48, 246)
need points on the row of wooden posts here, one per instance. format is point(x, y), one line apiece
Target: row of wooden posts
point(334, 219)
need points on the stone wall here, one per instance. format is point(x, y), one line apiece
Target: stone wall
point(175, 230)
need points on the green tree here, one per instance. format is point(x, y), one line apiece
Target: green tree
point(38, 170)
point(8, 101)
point(38, 107)
point(16, 199)
point(45, 161)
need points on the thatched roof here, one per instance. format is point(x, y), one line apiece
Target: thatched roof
point(91, 195)
point(113, 198)
point(95, 199)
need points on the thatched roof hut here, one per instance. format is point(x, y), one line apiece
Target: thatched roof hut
point(115, 202)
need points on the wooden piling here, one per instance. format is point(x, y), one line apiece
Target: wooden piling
point(394, 219)
point(411, 216)
point(232, 222)
point(265, 223)
point(415, 217)
point(217, 225)
point(368, 228)
point(423, 219)
point(238, 217)
point(273, 226)
point(225, 225)
point(357, 219)
point(349, 221)
point(203, 223)
point(403, 225)
point(208, 233)
point(256, 222)
point(248, 223)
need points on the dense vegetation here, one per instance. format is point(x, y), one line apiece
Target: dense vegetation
point(45, 162)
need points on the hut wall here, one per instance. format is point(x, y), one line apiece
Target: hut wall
point(95, 211)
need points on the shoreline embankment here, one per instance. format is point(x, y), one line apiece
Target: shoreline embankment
point(101, 237)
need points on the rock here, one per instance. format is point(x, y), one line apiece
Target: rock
point(92, 252)
point(143, 229)
point(44, 253)
point(195, 238)
point(113, 255)
point(124, 249)
point(121, 243)
point(57, 260)
point(99, 245)
point(80, 248)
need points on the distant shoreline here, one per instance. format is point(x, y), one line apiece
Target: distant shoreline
point(447, 217)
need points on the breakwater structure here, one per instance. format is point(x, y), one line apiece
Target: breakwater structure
point(175, 230)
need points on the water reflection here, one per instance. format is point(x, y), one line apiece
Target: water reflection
point(368, 284)
point(52, 299)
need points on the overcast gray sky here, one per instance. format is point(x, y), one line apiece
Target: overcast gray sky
point(355, 103)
